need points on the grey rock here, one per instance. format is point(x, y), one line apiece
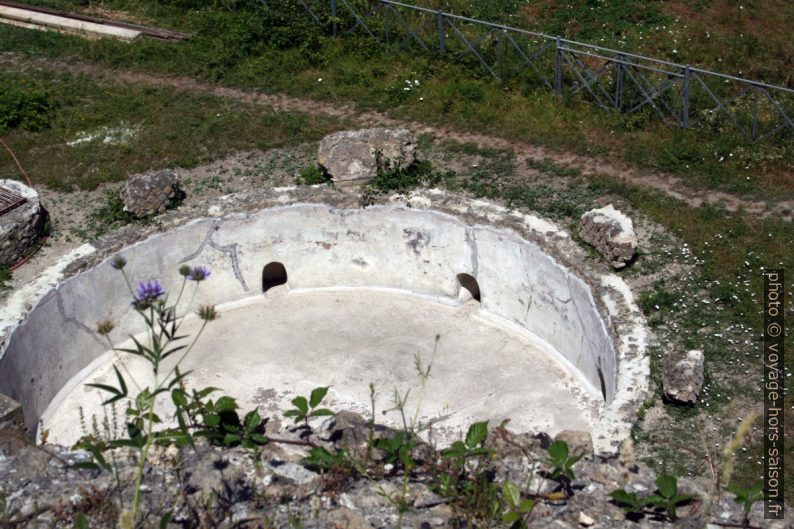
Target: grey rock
point(347, 430)
point(150, 193)
point(292, 471)
point(611, 233)
point(682, 376)
point(354, 156)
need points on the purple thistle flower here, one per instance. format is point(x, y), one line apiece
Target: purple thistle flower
point(199, 273)
point(147, 292)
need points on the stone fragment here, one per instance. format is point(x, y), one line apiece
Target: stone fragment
point(293, 472)
point(579, 443)
point(611, 233)
point(585, 520)
point(354, 156)
point(347, 430)
point(344, 518)
point(23, 227)
point(682, 376)
point(150, 193)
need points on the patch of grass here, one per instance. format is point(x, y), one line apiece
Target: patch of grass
point(104, 132)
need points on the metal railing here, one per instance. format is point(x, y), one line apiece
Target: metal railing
point(680, 95)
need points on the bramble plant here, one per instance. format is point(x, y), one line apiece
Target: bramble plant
point(305, 409)
point(562, 462)
point(471, 446)
point(747, 497)
point(664, 501)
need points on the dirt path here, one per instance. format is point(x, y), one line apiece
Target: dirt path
point(588, 166)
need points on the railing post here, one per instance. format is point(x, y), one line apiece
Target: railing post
point(685, 98)
point(619, 84)
point(558, 69)
point(333, 15)
point(442, 44)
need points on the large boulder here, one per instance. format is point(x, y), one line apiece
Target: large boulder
point(611, 233)
point(682, 376)
point(354, 156)
point(23, 226)
point(150, 193)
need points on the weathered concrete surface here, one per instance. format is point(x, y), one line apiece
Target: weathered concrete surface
point(526, 268)
point(268, 349)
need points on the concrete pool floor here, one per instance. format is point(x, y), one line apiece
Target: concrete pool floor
point(267, 349)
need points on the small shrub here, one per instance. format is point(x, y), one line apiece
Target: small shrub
point(312, 175)
point(24, 103)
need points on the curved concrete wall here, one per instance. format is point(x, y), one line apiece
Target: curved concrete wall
point(389, 246)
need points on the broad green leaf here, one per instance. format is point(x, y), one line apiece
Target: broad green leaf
point(317, 396)
point(681, 498)
point(212, 420)
point(206, 392)
point(477, 434)
point(252, 420)
point(628, 499)
point(511, 492)
point(301, 404)
point(667, 485)
point(510, 517)
point(230, 439)
point(558, 450)
point(225, 403)
point(322, 412)
point(258, 438)
point(526, 505)
point(178, 397)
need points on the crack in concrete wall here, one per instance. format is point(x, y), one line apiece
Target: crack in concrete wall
point(74, 321)
point(230, 250)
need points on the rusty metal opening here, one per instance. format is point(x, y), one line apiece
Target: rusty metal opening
point(9, 200)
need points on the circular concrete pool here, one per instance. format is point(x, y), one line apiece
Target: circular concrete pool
point(315, 292)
